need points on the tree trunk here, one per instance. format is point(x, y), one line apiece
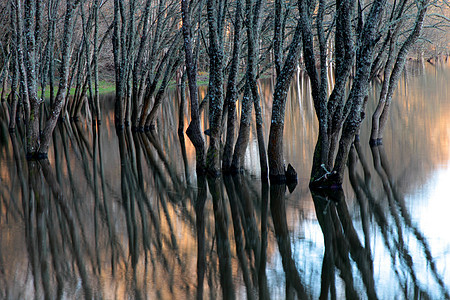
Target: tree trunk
point(244, 132)
point(193, 130)
point(215, 88)
point(232, 93)
point(275, 148)
point(64, 73)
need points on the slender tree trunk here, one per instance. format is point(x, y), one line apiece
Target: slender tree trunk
point(232, 94)
point(359, 88)
point(193, 130)
point(64, 73)
point(215, 88)
point(253, 29)
point(244, 131)
point(397, 70)
point(275, 148)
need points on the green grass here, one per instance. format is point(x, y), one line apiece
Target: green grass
point(104, 87)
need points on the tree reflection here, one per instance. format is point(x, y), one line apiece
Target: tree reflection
point(396, 236)
point(278, 209)
point(92, 222)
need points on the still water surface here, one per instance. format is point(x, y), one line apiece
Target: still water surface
point(123, 216)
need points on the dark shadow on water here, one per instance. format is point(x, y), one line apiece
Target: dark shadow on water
point(122, 215)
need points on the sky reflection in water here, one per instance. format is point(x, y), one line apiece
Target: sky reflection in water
point(137, 222)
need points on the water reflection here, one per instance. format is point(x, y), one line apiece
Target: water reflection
point(115, 215)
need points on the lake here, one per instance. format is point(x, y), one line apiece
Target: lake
point(124, 216)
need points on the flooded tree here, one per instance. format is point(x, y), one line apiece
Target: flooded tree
point(26, 20)
point(341, 115)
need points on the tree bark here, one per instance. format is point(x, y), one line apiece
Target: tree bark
point(275, 148)
point(232, 94)
point(193, 130)
point(64, 73)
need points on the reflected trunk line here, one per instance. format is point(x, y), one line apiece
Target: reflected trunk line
point(200, 226)
point(85, 163)
point(141, 192)
point(278, 209)
point(82, 141)
point(57, 153)
point(400, 201)
point(56, 255)
point(143, 198)
point(151, 161)
point(239, 239)
point(364, 163)
point(131, 187)
point(387, 232)
point(364, 262)
point(328, 284)
point(159, 176)
point(42, 250)
point(157, 172)
point(127, 200)
point(248, 218)
point(388, 192)
point(18, 154)
point(337, 248)
point(356, 182)
point(223, 243)
point(31, 235)
point(112, 236)
point(263, 289)
point(185, 159)
point(96, 142)
point(170, 170)
point(173, 239)
point(71, 223)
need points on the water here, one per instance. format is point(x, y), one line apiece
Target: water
point(124, 216)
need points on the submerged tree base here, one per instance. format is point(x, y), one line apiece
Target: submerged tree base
point(329, 181)
point(32, 156)
point(376, 142)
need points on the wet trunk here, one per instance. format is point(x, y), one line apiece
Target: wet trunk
point(30, 58)
point(64, 74)
point(118, 42)
point(137, 72)
point(216, 13)
point(253, 28)
point(171, 67)
point(193, 131)
point(390, 82)
point(244, 132)
point(275, 148)
point(13, 98)
point(232, 94)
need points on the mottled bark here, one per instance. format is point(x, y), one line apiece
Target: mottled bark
point(215, 89)
point(193, 131)
point(30, 59)
point(379, 118)
point(118, 41)
point(232, 93)
point(135, 97)
point(244, 132)
point(359, 88)
point(13, 98)
point(64, 74)
point(253, 31)
point(278, 210)
point(275, 147)
point(170, 70)
point(223, 242)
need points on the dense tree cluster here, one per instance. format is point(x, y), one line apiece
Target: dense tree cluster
point(343, 45)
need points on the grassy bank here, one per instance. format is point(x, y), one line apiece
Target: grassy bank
point(104, 87)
